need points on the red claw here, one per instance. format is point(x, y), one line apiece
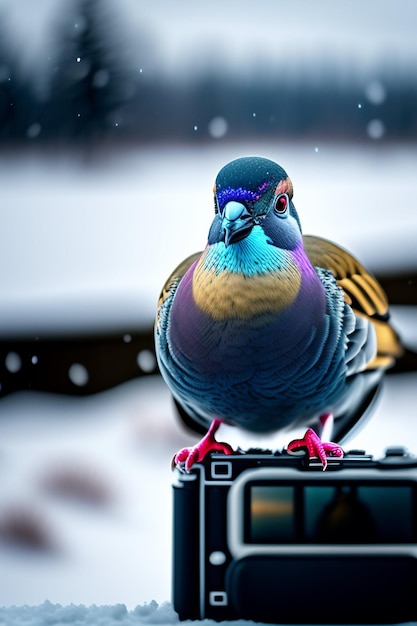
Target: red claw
point(316, 447)
point(189, 456)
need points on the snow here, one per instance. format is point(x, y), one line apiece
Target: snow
point(110, 549)
point(89, 247)
point(112, 559)
point(48, 614)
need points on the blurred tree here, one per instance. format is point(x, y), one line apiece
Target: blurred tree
point(91, 81)
point(100, 86)
point(7, 98)
point(16, 94)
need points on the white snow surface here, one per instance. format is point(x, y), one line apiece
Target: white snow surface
point(83, 247)
point(48, 614)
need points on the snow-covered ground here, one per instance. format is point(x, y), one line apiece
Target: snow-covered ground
point(104, 238)
point(49, 614)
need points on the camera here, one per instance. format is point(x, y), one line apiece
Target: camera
point(270, 537)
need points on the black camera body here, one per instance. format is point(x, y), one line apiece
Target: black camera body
point(270, 537)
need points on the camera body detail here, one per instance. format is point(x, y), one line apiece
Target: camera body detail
point(271, 537)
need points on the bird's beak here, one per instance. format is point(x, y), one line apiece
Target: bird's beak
point(237, 222)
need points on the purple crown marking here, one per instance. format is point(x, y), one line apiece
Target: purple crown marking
point(230, 193)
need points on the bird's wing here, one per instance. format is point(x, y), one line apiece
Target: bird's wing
point(173, 280)
point(361, 291)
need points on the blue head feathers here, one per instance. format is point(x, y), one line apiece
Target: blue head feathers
point(254, 180)
point(254, 191)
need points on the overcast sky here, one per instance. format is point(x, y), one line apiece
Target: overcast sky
point(237, 30)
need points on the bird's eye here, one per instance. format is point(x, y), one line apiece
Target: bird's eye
point(281, 204)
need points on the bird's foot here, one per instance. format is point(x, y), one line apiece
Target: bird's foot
point(316, 447)
point(186, 457)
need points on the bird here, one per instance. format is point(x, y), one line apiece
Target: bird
point(268, 329)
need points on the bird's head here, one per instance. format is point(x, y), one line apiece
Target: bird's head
point(253, 191)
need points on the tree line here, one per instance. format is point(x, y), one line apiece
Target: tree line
point(93, 91)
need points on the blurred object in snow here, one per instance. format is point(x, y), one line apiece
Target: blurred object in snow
point(78, 482)
point(23, 527)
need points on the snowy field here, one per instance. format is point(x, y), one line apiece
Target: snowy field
point(85, 247)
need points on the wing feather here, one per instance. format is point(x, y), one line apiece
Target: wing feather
point(174, 278)
point(362, 292)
